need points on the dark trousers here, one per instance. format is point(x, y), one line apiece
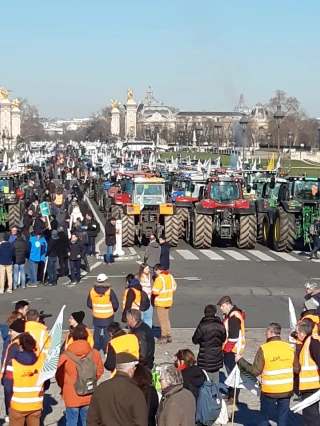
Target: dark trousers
point(64, 266)
point(7, 400)
point(85, 261)
point(230, 362)
point(91, 246)
point(316, 245)
point(275, 409)
point(41, 276)
point(52, 270)
point(75, 270)
point(100, 342)
point(310, 415)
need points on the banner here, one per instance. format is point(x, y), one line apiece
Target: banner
point(241, 380)
point(52, 359)
point(271, 163)
point(307, 402)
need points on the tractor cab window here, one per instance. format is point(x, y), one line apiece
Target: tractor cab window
point(274, 192)
point(147, 189)
point(5, 186)
point(306, 190)
point(224, 191)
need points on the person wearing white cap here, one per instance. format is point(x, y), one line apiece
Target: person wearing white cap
point(104, 303)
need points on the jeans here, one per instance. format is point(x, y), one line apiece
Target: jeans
point(91, 246)
point(64, 266)
point(275, 409)
point(98, 342)
point(310, 415)
point(214, 377)
point(108, 254)
point(52, 270)
point(16, 270)
point(75, 270)
point(73, 414)
point(316, 242)
point(33, 266)
point(230, 362)
point(147, 316)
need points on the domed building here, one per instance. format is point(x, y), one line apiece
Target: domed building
point(260, 115)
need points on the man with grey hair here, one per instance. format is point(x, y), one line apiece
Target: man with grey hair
point(177, 405)
point(312, 294)
point(144, 335)
point(119, 401)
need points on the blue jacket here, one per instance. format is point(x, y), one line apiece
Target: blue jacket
point(6, 253)
point(4, 330)
point(103, 322)
point(38, 249)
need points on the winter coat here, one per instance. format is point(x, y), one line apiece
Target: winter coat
point(27, 221)
point(92, 225)
point(135, 284)
point(118, 402)
point(165, 256)
point(152, 254)
point(63, 245)
point(110, 234)
point(46, 198)
point(75, 250)
point(38, 249)
point(35, 209)
point(20, 251)
point(100, 289)
point(51, 187)
point(66, 374)
point(177, 407)
point(6, 253)
point(4, 331)
point(39, 226)
point(193, 378)
point(53, 246)
point(146, 343)
point(210, 335)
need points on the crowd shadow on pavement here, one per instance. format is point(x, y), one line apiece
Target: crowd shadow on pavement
point(48, 403)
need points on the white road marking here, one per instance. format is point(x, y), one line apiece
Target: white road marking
point(95, 265)
point(235, 254)
point(138, 262)
point(171, 258)
point(187, 254)
point(132, 251)
point(262, 256)
point(189, 279)
point(286, 257)
point(97, 218)
point(109, 276)
point(211, 255)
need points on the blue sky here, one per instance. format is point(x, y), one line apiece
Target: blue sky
point(71, 57)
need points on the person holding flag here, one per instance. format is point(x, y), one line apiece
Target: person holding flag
point(275, 362)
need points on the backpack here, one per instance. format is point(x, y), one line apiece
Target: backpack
point(145, 302)
point(86, 373)
point(209, 403)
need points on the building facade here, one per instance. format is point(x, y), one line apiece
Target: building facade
point(10, 120)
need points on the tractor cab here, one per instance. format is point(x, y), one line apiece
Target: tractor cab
point(148, 191)
point(304, 188)
point(223, 191)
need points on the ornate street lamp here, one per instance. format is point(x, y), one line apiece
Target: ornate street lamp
point(199, 132)
point(243, 123)
point(278, 116)
point(290, 137)
point(218, 127)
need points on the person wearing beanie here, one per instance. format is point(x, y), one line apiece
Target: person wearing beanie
point(76, 318)
point(104, 303)
point(119, 401)
point(52, 253)
point(134, 297)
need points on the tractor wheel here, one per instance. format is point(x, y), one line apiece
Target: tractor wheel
point(266, 231)
point(260, 219)
point(248, 232)
point(172, 230)
point(291, 232)
point(91, 193)
point(207, 240)
point(282, 226)
point(201, 231)
point(116, 212)
point(183, 216)
point(14, 211)
point(128, 231)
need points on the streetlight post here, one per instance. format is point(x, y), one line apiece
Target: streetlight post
point(218, 127)
point(181, 136)
point(268, 139)
point(319, 138)
point(199, 132)
point(243, 123)
point(278, 116)
point(290, 137)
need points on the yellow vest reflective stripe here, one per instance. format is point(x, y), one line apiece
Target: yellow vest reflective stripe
point(58, 200)
point(277, 375)
point(69, 339)
point(164, 291)
point(101, 304)
point(127, 343)
point(137, 299)
point(238, 315)
point(309, 377)
point(27, 396)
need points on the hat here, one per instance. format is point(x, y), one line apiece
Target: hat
point(101, 278)
point(224, 299)
point(126, 358)
point(78, 316)
point(54, 234)
point(18, 326)
point(310, 304)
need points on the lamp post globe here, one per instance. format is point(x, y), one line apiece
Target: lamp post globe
point(278, 116)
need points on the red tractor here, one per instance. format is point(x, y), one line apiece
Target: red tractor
point(223, 212)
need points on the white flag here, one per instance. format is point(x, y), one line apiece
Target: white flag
point(292, 315)
point(52, 359)
point(241, 380)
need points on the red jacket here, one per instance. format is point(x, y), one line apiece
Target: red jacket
point(66, 374)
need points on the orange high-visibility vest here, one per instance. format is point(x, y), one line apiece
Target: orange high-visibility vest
point(163, 288)
point(58, 200)
point(277, 375)
point(69, 339)
point(238, 315)
point(40, 334)
point(12, 342)
point(27, 396)
point(101, 304)
point(309, 376)
point(137, 300)
point(315, 331)
point(127, 343)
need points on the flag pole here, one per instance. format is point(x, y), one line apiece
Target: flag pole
point(236, 379)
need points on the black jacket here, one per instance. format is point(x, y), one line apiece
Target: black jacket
point(53, 246)
point(210, 336)
point(110, 234)
point(130, 299)
point(92, 225)
point(20, 251)
point(27, 221)
point(63, 245)
point(75, 250)
point(146, 343)
point(193, 379)
point(165, 256)
point(110, 363)
point(39, 226)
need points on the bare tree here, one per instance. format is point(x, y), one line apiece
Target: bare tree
point(31, 127)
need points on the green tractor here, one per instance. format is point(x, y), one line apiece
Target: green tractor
point(11, 199)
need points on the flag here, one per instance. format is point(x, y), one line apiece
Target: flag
point(217, 162)
point(292, 315)
point(271, 163)
point(254, 165)
point(278, 163)
point(52, 359)
point(307, 402)
point(241, 380)
point(141, 201)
